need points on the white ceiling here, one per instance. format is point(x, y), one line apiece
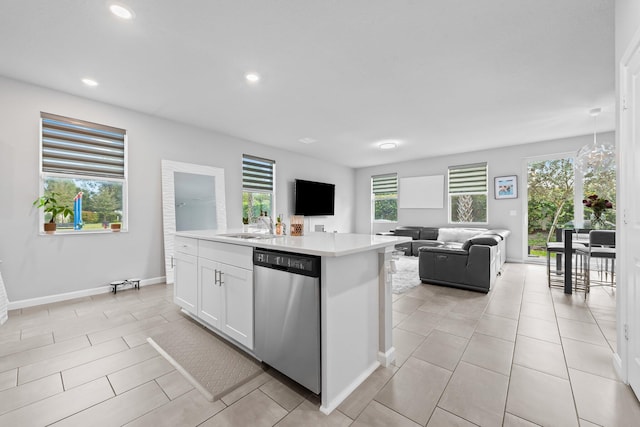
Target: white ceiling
point(442, 77)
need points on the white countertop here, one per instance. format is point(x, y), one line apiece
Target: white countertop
point(321, 244)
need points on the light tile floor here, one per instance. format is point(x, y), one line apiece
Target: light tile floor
point(521, 355)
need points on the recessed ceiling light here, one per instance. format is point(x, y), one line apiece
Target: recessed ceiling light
point(388, 145)
point(252, 77)
point(90, 82)
point(121, 11)
point(307, 140)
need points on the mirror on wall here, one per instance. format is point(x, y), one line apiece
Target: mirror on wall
point(192, 199)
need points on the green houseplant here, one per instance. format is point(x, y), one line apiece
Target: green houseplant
point(50, 204)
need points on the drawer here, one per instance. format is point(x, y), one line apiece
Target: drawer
point(185, 245)
point(238, 255)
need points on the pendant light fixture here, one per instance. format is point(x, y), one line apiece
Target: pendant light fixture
point(595, 157)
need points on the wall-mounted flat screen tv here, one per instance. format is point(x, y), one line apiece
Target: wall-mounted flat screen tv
point(314, 198)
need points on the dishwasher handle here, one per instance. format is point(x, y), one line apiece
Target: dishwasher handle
point(277, 267)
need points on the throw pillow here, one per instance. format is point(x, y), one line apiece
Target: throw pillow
point(459, 235)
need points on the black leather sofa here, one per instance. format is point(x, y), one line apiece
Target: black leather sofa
point(468, 258)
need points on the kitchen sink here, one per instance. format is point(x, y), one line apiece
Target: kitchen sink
point(250, 235)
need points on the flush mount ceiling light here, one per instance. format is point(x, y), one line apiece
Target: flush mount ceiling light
point(388, 145)
point(252, 77)
point(307, 140)
point(121, 11)
point(90, 82)
point(595, 157)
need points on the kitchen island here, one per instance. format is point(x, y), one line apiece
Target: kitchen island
point(355, 298)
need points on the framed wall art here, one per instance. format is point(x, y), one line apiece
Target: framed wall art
point(506, 187)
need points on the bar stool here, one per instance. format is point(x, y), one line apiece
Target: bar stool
point(558, 249)
point(602, 247)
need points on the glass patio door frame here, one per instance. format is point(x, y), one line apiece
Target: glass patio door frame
point(578, 190)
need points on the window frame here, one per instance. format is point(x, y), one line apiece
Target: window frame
point(484, 192)
point(256, 188)
point(44, 175)
point(373, 197)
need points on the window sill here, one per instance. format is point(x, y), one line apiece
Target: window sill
point(81, 233)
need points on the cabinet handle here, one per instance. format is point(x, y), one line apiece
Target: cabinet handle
point(172, 264)
point(215, 277)
point(221, 282)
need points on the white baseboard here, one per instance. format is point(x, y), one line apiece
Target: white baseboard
point(348, 390)
point(14, 305)
point(387, 358)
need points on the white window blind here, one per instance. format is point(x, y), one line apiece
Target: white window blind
point(385, 184)
point(257, 174)
point(76, 147)
point(468, 179)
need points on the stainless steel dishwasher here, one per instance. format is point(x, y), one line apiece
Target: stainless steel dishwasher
point(287, 314)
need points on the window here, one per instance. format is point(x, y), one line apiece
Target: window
point(384, 197)
point(468, 194)
point(257, 188)
point(85, 165)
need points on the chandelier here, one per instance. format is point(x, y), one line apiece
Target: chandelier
point(595, 157)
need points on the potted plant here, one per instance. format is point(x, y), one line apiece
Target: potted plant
point(50, 205)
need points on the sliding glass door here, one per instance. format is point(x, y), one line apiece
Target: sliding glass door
point(550, 204)
point(555, 194)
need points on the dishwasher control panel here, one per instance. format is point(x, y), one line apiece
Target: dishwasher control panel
point(308, 265)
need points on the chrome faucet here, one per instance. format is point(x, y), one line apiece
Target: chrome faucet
point(268, 221)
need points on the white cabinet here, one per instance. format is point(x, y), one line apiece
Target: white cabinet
point(236, 308)
point(185, 290)
point(225, 283)
point(214, 282)
point(210, 292)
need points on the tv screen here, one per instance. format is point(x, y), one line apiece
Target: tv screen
point(314, 198)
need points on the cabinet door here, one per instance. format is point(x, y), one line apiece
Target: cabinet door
point(237, 308)
point(185, 288)
point(210, 292)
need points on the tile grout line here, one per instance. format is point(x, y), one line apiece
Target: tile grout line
point(564, 355)
point(515, 343)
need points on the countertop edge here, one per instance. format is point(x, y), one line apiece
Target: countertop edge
point(284, 243)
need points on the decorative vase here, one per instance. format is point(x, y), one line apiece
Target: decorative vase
point(597, 221)
point(297, 225)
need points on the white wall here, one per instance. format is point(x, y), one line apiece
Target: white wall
point(501, 162)
point(37, 266)
point(627, 22)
